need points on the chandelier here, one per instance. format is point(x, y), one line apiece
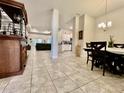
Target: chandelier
point(106, 24)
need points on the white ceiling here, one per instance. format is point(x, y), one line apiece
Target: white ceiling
point(39, 11)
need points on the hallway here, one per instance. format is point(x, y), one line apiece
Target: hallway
point(67, 74)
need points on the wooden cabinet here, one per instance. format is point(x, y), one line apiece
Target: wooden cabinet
point(23, 56)
point(12, 56)
point(13, 52)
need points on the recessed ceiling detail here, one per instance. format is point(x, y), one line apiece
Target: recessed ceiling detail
point(39, 11)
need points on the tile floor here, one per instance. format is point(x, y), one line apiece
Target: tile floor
point(67, 74)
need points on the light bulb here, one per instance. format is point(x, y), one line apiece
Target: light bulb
point(99, 25)
point(109, 24)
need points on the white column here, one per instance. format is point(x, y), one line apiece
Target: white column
point(55, 28)
point(75, 32)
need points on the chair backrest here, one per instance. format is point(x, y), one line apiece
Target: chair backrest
point(88, 45)
point(98, 45)
point(119, 45)
point(98, 49)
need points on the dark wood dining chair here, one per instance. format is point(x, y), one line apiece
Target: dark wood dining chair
point(89, 53)
point(117, 63)
point(98, 54)
point(119, 45)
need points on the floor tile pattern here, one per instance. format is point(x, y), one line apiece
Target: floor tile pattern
point(67, 74)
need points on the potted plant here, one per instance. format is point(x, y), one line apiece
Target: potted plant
point(111, 42)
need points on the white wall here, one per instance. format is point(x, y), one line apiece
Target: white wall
point(89, 29)
point(36, 36)
point(75, 32)
point(66, 34)
point(81, 22)
point(117, 29)
point(81, 28)
point(88, 33)
point(87, 24)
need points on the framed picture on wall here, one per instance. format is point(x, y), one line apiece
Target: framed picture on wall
point(81, 35)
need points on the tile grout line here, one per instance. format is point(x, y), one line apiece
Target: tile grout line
point(31, 76)
point(6, 86)
point(70, 78)
point(70, 67)
point(63, 76)
point(72, 81)
point(79, 87)
point(76, 83)
point(51, 79)
point(98, 78)
point(75, 89)
point(73, 68)
point(84, 84)
point(91, 81)
point(31, 79)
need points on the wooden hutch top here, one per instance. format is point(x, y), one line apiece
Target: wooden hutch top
point(11, 7)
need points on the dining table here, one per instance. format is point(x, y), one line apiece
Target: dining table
point(115, 57)
point(118, 51)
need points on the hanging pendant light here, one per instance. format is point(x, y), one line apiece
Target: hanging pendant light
point(107, 24)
